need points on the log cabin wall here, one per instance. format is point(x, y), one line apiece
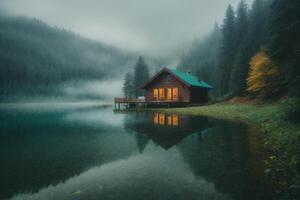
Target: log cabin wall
point(165, 80)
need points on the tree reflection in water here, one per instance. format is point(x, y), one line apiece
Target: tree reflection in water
point(221, 152)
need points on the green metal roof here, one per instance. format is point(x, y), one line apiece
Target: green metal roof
point(190, 79)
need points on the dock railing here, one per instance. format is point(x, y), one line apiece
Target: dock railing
point(128, 100)
point(121, 102)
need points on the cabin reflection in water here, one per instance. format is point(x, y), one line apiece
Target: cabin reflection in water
point(166, 130)
point(218, 151)
point(164, 119)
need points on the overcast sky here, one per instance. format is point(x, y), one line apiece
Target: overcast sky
point(140, 25)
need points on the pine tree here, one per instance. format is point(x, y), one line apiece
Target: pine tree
point(258, 24)
point(141, 75)
point(242, 53)
point(128, 87)
point(228, 46)
point(240, 70)
point(242, 22)
point(284, 44)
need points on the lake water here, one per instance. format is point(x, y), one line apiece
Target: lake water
point(87, 152)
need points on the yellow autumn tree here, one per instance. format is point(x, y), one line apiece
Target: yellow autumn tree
point(263, 75)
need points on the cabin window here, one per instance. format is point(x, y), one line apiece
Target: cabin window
point(161, 93)
point(169, 94)
point(162, 119)
point(175, 120)
point(169, 120)
point(155, 118)
point(155, 93)
point(175, 93)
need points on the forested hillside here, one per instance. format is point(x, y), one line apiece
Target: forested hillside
point(34, 55)
point(256, 51)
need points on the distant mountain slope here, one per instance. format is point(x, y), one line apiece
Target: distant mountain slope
point(34, 54)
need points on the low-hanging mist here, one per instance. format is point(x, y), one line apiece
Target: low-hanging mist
point(105, 90)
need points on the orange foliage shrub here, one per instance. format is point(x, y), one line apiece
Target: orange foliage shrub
point(263, 75)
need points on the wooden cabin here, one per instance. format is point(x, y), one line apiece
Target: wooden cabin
point(174, 86)
point(169, 87)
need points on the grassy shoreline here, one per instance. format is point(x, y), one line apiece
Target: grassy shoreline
point(281, 137)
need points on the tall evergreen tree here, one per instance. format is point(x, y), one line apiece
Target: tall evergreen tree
point(242, 53)
point(128, 87)
point(258, 24)
point(284, 44)
point(141, 75)
point(242, 22)
point(228, 46)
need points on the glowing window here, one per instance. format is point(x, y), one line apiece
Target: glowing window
point(175, 120)
point(162, 119)
point(161, 93)
point(155, 118)
point(175, 93)
point(169, 120)
point(169, 94)
point(155, 93)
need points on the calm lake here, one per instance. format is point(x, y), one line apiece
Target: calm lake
point(87, 152)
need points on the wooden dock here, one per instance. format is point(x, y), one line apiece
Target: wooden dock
point(128, 103)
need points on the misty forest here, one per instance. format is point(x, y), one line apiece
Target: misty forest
point(252, 39)
point(212, 114)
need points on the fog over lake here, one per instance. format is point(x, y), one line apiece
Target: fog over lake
point(156, 27)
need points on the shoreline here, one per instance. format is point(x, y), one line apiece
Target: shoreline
point(281, 137)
